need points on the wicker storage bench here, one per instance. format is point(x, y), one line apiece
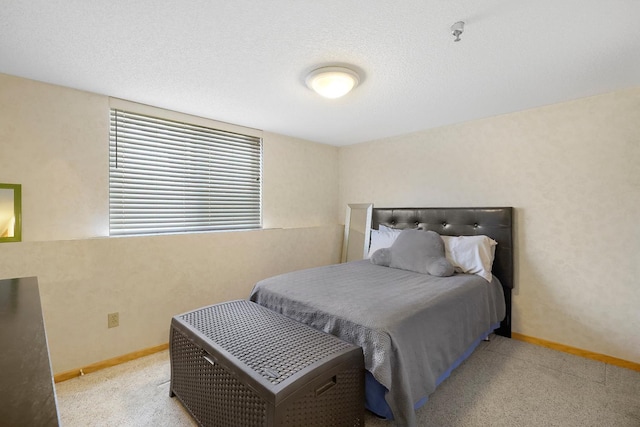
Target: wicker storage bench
point(240, 364)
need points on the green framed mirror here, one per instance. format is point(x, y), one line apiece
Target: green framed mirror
point(10, 213)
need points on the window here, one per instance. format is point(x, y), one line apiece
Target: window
point(166, 176)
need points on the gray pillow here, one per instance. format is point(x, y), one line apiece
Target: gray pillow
point(416, 250)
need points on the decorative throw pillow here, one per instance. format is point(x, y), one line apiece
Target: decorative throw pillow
point(381, 257)
point(415, 250)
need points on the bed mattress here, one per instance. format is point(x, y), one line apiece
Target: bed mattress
point(412, 327)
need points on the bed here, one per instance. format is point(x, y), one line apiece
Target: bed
point(414, 328)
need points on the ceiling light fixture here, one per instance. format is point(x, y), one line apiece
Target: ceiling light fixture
point(332, 82)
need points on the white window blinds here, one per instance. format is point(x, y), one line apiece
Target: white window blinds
point(172, 177)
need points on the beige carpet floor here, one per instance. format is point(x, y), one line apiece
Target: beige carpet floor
point(504, 383)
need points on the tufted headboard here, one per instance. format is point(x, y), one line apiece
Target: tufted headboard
point(496, 223)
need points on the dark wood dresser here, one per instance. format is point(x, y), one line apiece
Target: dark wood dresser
point(27, 393)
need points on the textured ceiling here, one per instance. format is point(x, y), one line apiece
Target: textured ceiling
point(244, 62)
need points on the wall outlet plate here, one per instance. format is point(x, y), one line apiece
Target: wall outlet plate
point(113, 320)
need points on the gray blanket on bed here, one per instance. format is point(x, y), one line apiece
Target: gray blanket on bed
point(411, 326)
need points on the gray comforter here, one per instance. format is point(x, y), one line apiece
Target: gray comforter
point(411, 326)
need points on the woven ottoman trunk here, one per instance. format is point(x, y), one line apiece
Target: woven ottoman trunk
point(241, 364)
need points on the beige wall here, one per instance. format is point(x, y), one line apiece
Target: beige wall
point(54, 141)
point(300, 183)
point(572, 171)
point(150, 279)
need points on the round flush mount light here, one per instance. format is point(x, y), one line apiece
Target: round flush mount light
point(332, 82)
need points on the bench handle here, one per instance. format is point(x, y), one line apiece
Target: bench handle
point(326, 387)
point(209, 358)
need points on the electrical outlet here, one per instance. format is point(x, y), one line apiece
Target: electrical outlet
point(113, 320)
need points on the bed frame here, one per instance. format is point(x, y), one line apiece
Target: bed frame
point(496, 223)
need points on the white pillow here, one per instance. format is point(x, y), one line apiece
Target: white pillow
point(471, 254)
point(382, 238)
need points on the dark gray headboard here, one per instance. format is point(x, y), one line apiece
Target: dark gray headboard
point(496, 223)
